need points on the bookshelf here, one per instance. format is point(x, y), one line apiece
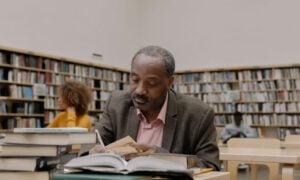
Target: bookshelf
point(268, 96)
point(29, 83)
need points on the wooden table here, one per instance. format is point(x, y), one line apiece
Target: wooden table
point(214, 175)
point(289, 158)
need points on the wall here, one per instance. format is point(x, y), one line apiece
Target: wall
point(224, 33)
point(73, 28)
point(200, 33)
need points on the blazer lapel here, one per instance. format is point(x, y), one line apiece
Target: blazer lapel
point(171, 121)
point(133, 123)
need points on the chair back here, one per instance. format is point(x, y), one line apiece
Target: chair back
point(292, 141)
point(292, 137)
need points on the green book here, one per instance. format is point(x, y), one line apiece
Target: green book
point(94, 176)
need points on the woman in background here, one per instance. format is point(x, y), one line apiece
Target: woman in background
point(74, 98)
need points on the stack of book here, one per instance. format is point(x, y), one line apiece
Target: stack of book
point(31, 153)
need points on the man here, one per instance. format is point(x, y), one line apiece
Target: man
point(159, 119)
point(237, 129)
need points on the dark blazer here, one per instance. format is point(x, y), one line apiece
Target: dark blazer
point(189, 126)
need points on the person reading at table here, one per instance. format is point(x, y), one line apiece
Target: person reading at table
point(155, 116)
point(237, 129)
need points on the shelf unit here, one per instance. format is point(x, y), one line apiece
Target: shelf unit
point(268, 96)
point(29, 83)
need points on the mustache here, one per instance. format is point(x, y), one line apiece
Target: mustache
point(137, 96)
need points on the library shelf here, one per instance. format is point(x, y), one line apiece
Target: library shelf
point(29, 83)
point(268, 96)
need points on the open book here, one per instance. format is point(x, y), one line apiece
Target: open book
point(113, 163)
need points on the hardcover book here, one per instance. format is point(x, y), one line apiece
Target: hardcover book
point(12, 175)
point(28, 163)
point(49, 138)
point(113, 163)
point(51, 130)
point(32, 150)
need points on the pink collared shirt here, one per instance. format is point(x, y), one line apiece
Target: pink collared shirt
point(152, 133)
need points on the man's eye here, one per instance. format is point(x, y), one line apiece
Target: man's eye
point(152, 83)
point(134, 80)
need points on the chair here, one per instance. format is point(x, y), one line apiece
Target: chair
point(292, 141)
point(253, 143)
point(219, 141)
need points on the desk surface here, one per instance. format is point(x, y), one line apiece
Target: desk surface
point(214, 175)
point(288, 156)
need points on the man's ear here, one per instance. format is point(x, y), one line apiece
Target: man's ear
point(170, 81)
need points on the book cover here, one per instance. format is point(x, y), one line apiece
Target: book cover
point(37, 175)
point(27, 91)
point(112, 163)
point(28, 163)
point(32, 150)
point(50, 138)
point(51, 130)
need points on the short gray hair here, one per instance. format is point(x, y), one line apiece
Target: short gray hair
point(165, 55)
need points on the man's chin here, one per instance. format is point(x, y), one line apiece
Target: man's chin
point(142, 107)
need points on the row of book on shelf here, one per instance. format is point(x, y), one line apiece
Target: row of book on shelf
point(18, 122)
point(281, 133)
point(261, 120)
point(230, 96)
point(22, 107)
point(257, 107)
point(241, 75)
point(281, 85)
point(21, 60)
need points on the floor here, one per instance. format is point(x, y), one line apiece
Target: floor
point(245, 173)
point(262, 174)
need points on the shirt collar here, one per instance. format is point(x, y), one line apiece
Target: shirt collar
point(162, 114)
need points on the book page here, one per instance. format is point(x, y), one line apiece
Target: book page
point(151, 163)
point(108, 160)
point(185, 159)
point(122, 146)
point(112, 163)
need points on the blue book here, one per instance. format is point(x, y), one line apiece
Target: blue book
point(27, 92)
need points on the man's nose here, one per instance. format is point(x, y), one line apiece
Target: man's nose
point(141, 89)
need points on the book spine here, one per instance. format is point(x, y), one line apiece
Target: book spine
point(61, 150)
point(46, 163)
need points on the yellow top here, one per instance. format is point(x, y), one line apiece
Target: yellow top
point(69, 119)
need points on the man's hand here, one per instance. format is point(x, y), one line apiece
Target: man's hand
point(97, 149)
point(142, 150)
